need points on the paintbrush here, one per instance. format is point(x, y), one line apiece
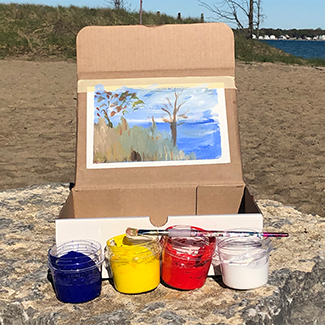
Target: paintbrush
point(191, 232)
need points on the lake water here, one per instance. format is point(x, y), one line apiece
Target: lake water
point(201, 138)
point(300, 48)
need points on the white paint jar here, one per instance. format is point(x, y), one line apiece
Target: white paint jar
point(244, 261)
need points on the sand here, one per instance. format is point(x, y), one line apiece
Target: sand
point(281, 121)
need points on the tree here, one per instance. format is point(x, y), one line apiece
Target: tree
point(240, 12)
point(259, 16)
point(173, 115)
point(108, 104)
point(118, 4)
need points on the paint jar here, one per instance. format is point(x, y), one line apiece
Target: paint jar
point(134, 263)
point(186, 261)
point(244, 261)
point(76, 268)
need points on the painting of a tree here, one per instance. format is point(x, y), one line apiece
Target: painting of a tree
point(174, 118)
point(108, 104)
point(160, 122)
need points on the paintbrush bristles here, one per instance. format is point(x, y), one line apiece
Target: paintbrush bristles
point(131, 232)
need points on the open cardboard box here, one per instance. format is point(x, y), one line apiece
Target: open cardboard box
point(108, 196)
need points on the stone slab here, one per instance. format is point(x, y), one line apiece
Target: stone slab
point(295, 293)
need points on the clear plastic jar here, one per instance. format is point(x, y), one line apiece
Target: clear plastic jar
point(134, 264)
point(186, 261)
point(76, 268)
point(244, 261)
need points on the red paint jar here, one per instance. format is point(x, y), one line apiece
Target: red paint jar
point(186, 261)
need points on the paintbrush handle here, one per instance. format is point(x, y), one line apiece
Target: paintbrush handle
point(234, 233)
point(275, 234)
point(188, 232)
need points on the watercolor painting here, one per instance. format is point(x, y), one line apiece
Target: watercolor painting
point(156, 124)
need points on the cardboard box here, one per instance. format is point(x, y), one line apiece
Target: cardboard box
point(198, 50)
point(197, 189)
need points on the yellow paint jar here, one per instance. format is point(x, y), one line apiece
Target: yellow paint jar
point(135, 264)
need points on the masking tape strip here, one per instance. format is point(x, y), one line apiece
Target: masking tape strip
point(226, 82)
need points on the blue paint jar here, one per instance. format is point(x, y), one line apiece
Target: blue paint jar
point(76, 268)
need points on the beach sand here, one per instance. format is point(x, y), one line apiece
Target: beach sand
point(281, 114)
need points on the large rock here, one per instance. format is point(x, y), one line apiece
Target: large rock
point(295, 293)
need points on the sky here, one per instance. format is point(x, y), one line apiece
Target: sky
point(283, 14)
point(154, 100)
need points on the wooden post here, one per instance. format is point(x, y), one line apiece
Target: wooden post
point(140, 12)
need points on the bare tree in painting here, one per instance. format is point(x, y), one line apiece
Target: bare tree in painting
point(172, 110)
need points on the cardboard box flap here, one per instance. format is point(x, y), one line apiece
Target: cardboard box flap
point(155, 51)
point(119, 52)
point(156, 202)
point(159, 203)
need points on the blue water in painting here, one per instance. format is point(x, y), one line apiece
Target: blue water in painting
point(202, 138)
point(300, 48)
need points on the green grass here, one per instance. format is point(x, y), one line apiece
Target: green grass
point(255, 51)
point(316, 62)
point(35, 32)
point(39, 31)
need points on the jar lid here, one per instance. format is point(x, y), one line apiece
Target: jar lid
point(244, 243)
point(243, 250)
point(189, 248)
